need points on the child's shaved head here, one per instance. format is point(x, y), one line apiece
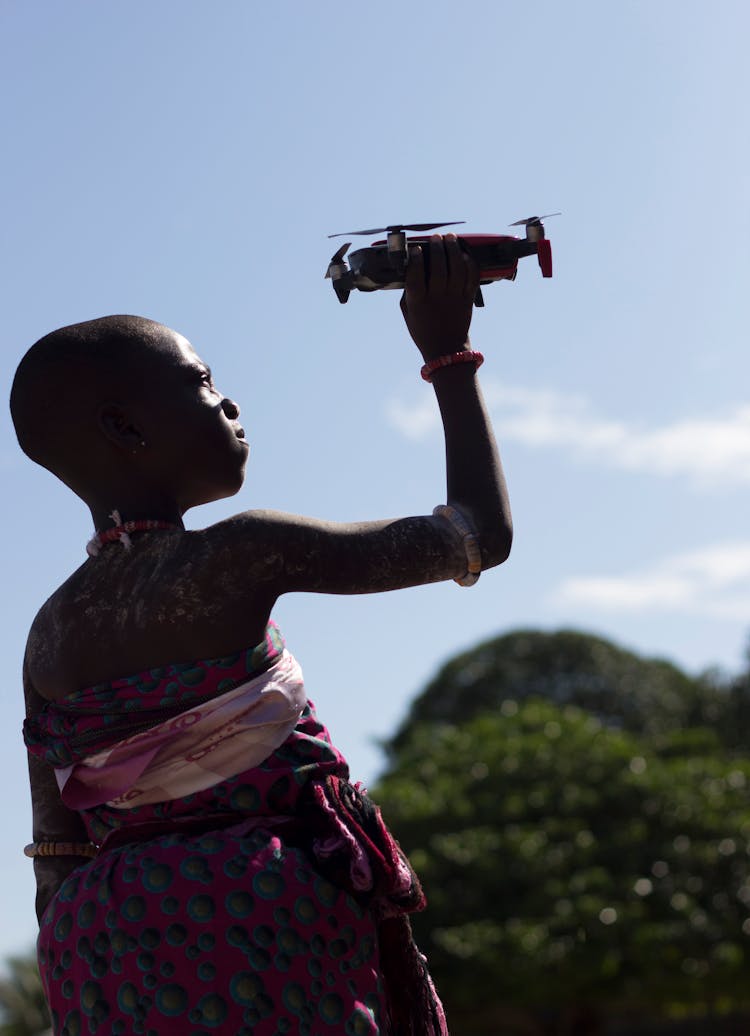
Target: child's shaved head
point(66, 376)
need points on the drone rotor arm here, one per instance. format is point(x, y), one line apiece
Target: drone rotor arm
point(544, 255)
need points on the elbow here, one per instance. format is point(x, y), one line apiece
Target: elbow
point(495, 542)
point(493, 528)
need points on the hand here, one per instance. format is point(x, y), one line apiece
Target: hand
point(441, 282)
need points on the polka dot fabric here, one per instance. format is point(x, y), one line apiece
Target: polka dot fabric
point(217, 933)
point(225, 927)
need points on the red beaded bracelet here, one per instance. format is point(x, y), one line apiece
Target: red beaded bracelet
point(465, 356)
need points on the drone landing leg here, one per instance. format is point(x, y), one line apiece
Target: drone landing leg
point(479, 298)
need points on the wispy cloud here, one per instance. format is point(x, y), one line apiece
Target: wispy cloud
point(713, 581)
point(709, 450)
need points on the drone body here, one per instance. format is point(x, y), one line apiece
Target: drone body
point(383, 264)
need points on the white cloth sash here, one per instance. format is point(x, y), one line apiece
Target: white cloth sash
point(200, 747)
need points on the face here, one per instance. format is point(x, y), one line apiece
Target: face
point(190, 427)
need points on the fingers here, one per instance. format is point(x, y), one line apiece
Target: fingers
point(440, 283)
point(464, 272)
point(439, 270)
point(416, 282)
point(449, 269)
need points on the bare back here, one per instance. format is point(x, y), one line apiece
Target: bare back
point(179, 596)
point(127, 610)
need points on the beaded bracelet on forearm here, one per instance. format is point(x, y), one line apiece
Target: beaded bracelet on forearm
point(449, 360)
point(35, 849)
point(470, 542)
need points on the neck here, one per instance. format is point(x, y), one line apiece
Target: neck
point(103, 520)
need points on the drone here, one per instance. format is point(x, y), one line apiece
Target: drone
point(382, 265)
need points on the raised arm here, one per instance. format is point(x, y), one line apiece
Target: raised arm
point(276, 553)
point(437, 308)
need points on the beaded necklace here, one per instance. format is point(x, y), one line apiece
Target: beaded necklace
point(122, 530)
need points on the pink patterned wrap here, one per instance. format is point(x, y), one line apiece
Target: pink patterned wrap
point(197, 749)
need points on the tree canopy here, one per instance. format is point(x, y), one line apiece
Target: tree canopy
point(568, 668)
point(582, 832)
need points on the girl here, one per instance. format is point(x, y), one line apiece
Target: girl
point(203, 863)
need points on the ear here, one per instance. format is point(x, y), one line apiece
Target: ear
point(118, 426)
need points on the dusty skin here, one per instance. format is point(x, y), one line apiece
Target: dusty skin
point(178, 595)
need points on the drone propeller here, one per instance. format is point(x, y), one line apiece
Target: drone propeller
point(532, 220)
point(397, 227)
point(340, 274)
point(337, 258)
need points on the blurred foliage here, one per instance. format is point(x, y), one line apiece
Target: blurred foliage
point(23, 1009)
point(650, 696)
point(580, 820)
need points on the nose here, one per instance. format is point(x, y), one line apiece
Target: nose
point(230, 408)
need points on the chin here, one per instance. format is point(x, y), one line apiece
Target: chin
point(214, 493)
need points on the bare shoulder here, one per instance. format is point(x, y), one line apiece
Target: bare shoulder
point(171, 597)
point(50, 630)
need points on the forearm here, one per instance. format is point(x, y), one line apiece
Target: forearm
point(437, 308)
point(52, 822)
point(474, 474)
point(50, 873)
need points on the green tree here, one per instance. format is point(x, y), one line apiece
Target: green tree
point(578, 862)
point(23, 1008)
point(735, 718)
point(569, 668)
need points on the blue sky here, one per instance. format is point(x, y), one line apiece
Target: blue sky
point(186, 161)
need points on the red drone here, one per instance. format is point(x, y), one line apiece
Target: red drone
point(383, 264)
